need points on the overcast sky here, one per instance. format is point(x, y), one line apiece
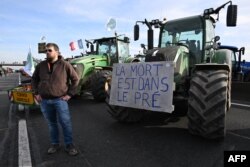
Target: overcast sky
point(24, 22)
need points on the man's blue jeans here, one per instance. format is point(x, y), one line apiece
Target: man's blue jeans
point(55, 110)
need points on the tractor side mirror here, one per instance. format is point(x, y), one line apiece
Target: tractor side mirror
point(136, 32)
point(143, 46)
point(87, 44)
point(231, 15)
point(216, 38)
point(242, 49)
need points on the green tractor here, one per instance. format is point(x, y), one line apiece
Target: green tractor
point(95, 67)
point(202, 72)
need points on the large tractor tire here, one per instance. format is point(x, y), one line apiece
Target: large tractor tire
point(98, 85)
point(209, 96)
point(122, 114)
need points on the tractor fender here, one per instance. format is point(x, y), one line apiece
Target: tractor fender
point(109, 68)
point(221, 60)
point(223, 56)
point(212, 66)
point(131, 60)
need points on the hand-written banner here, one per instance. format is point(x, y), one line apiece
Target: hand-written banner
point(146, 86)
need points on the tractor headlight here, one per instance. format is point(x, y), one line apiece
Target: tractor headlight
point(79, 68)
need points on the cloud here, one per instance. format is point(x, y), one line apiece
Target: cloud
point(90, 10)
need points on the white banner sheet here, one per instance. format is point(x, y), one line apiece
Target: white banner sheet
point(147, 85)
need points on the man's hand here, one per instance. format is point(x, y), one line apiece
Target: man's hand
point(38, 98)
point(66, 97)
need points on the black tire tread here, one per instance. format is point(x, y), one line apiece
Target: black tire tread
point(207, 105)
point(98, 84)
point(124, 114)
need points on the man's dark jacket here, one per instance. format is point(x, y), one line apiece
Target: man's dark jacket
point(52, 83)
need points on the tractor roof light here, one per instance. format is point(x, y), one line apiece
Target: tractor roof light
point(211, 10)
point(156, 23)
point(208, 11)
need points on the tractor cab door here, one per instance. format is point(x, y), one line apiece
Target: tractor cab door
point(113, 54)
point(123, 51)
point(108, 48)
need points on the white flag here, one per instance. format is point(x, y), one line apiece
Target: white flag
point(29, 68)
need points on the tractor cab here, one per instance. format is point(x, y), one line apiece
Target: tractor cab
point(188, 32)
point(115, 48)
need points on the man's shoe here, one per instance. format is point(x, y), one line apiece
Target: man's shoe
point(71, 150)
point(53, 148)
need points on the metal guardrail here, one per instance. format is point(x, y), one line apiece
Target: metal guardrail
point(241, 91)
point(12, 64)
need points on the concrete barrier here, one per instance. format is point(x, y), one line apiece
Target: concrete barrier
point(241, 91)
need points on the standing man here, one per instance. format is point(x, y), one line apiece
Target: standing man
point(54, 82)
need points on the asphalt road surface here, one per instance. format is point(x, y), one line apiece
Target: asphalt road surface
point(8, 124)
point(103, 142)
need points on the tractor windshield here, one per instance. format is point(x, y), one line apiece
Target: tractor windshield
point(116, 49)
point(187, 32)
point(106, 48)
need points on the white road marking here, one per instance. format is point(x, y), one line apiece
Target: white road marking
point(241, 105)
point(235, 134)
point(24, 158)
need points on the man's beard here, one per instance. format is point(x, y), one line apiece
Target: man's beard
point(49, 59)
